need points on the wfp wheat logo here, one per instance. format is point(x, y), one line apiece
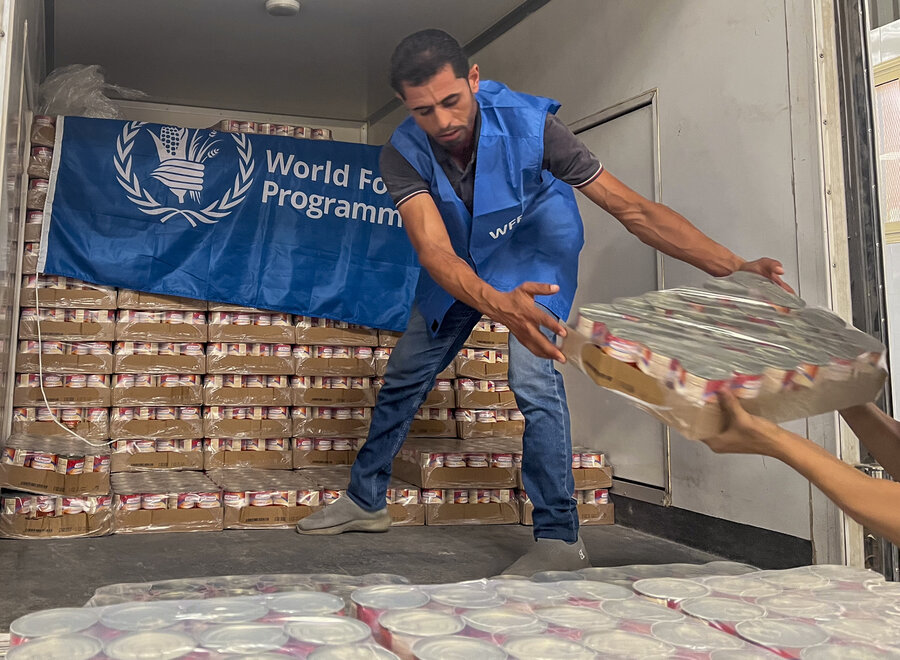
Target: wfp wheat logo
point(181, 181)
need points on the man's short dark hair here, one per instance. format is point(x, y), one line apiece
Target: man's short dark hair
point(422, 54)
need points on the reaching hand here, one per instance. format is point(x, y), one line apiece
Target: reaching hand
point(768, 268)
point(517, 311)
point(743, 433)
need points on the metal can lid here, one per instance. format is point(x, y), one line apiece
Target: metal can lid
point(781, 634)
point(843, 652)
point(670, 588)
point(796, 604)
point(599, 591)
point(467, 596)
point(390, 597)
point(327, 630)
point(456, 648)
point(57, 647)
point(504, 620)
point(875, 630)
point(640, 610)
point(620, 642)
point(796, 578)
point(694, 635)
point(161, 645)
point(721, 609)
point(545, 647)
point(421, 623)
point(226, 610)
point(306, 603)
point(244, 638)
point(58, 621)
point(581, 618)
point(739, 585)
point(351, 652)
point(133, 617)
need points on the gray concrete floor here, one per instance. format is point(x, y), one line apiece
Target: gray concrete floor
point(37, 575)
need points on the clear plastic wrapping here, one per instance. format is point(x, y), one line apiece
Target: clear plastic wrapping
point(334, 360)
point(247, 390)
point(129, 299)
point(166, 502)
point(67, 324)
point(488, 334)
point(671, 351)
point(312, 452)
point(67, 292)
point(484, 394)
point(388, 338)
point(30, 258)
point(81, 90)
point(281, 130)
point(315, 421)
point(34, 224)
point(156, 422)
point(68, 390)
point(40, 162)
point(64, 357)
point(319, 331)
point(358, 391)
point(54, 466)
point(446, 463)
point(593, 505)
point(43, 130)
point(383, 353)
point(36, 197)
point(498, 423)
point(433, 423)
point(145, 389)
point(249, 359)
point(266, 453)
point(157, 326)
point(267, 498)
point(142, 357)
point(251, 326)
point(470, 506)
point(89, 423)
point(147, 454)
point(483, 363)
point(28, 516)
point(246, 422)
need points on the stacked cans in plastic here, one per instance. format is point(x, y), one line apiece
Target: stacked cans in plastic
point(699, 612)
point(269, 128)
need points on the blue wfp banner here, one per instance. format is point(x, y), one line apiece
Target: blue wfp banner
point(299, 226)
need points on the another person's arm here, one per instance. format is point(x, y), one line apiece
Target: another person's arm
point(879, 433)
point(874, 503)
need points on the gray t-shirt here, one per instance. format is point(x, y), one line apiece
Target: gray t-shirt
point(565, 157)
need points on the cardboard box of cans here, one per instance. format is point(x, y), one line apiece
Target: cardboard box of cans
point(251, 327)
point(48, 466)
point(157, 302)
point(594, 507)
point(459, 509)
point(322, 422)
point(312, 452)
point(30, 516)
point(156, 422)
point(166, 502)
point(157, 390)
point(264, 499)
point(334, 361)
point(489, 423)
point(30, 258)
point(246, 422)
point(388, 338)
point(447, 463)
point(488, 334)
point(484, 394)
point(672, 351)
point(34, 225)
point(383, 353)
point(247, 390)
point(249, 359)
point(263, 453)
point(318, 331)
point(64, 357)
point(482, 363)
point(333, 391)
point(433, 423)
point(66, 390)
point(148, 454)
point(135, 357)
point(66, 293)
point(68, 324)
point(156, 326)
point(589, 470)
point(89, 423)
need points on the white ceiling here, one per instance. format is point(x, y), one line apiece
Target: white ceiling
point(329, 61)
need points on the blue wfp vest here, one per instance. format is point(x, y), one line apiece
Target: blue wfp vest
point(526, 225)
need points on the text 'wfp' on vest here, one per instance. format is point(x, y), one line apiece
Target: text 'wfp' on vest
point(502, 229)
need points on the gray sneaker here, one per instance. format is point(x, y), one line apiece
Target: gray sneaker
point(344, 516)
point(551, 555)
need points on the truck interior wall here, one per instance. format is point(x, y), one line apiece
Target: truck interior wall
point(738, 157)
point(21, 69)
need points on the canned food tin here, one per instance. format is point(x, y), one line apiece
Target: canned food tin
point(301, 132)
point(144, 380)
point(306, 603)
point(277, 381)
point(46, 623)
point(246, 127)
point(455, 646)
point(153, 501)
point(236, 498)
point(70, 464)
point(454, 459)
point(432, 496)
point(50, 380)
point(722, 613)
point(327, 630)
point(321, 134)
point(150, 644)
point(42, 460)
point(252, 444)
point(303, 444)
point(478, 460)
point(620, 643)
point(781, 636)
point(71, 647)
point(209, 500)
point(276, 444)
point(341, 444)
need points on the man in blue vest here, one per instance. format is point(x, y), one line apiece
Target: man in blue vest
point(501, 240)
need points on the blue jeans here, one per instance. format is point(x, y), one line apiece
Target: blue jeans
point(411, 371)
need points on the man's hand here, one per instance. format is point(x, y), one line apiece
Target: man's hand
point(517, 311)
point(768, 268)
point(743, 433)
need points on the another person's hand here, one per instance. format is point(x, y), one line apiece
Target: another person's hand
point(768, 268)
point(742, 432)
point(517, 311)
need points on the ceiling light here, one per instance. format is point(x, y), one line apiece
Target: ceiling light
point(283, 7)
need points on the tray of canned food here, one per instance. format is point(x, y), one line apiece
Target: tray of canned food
point(89, 423)
point(449, 463)
point(488, 334)
point(324, 421)
point(142, 454)
point(28, 515)
point(313, 330)
point(495, 423)
point(64, 357)
point(310, 452)
point(133, 422)
point(247, 390)
point(67, 324)
point(158, 326)
point(249, 358)
point(129, 299)
point(92, 390)
point(166, 502)
point(57, 291)
point(261, 499)
point(671, 351)
point(593, 505)
point(479, 394)
point(482, 363)
point(268, 453)
point(333, 391)
point(553, 615)
point(251, 327)
point(147, 357)
point(334, 360)
point(54, 466)
point(149, 389)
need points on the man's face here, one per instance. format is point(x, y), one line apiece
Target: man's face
point(445, 107)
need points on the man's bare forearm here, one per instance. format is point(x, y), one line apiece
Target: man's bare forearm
point(458, 279)
point(879, 433)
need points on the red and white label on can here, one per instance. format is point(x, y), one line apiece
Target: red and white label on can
point(170, 380)
point(53, 380)
point(209, 500)
point(253, 444)
point(235, 498)
point(145, 380)
point(13, 456)
point(323, 444)
point(193, 444)
point(280, 319)
point(165, 444)
point(168, 348)
point(189, 412)
point(220, 318)
point(195, 318)
point(281, 350)
point(76, 380)
point(189, 380)
point(264, 129)
point(276, 444)
point(246, 127)
point(46, 505)
point(232, 380)
point(321, 134)
point(34, 218)
point(229, 125)
point(154, 501)
point(432, 496)
point(260, 498)
point(42, 460)
point(304, 444)
point(101, 464)
point(40, 185)
point(129, 501)
point(301, 132)
point(57, 348)
point(276, 412)
point(74, 505)
point(277, 381)
point(97, 380)
point(187, 500)
point(243, 318)
point(282, 130)
point(70, 464)
point(262, 319)
point(254, 381)
point(173, 317)
point(215, 349)
point(239, 350)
